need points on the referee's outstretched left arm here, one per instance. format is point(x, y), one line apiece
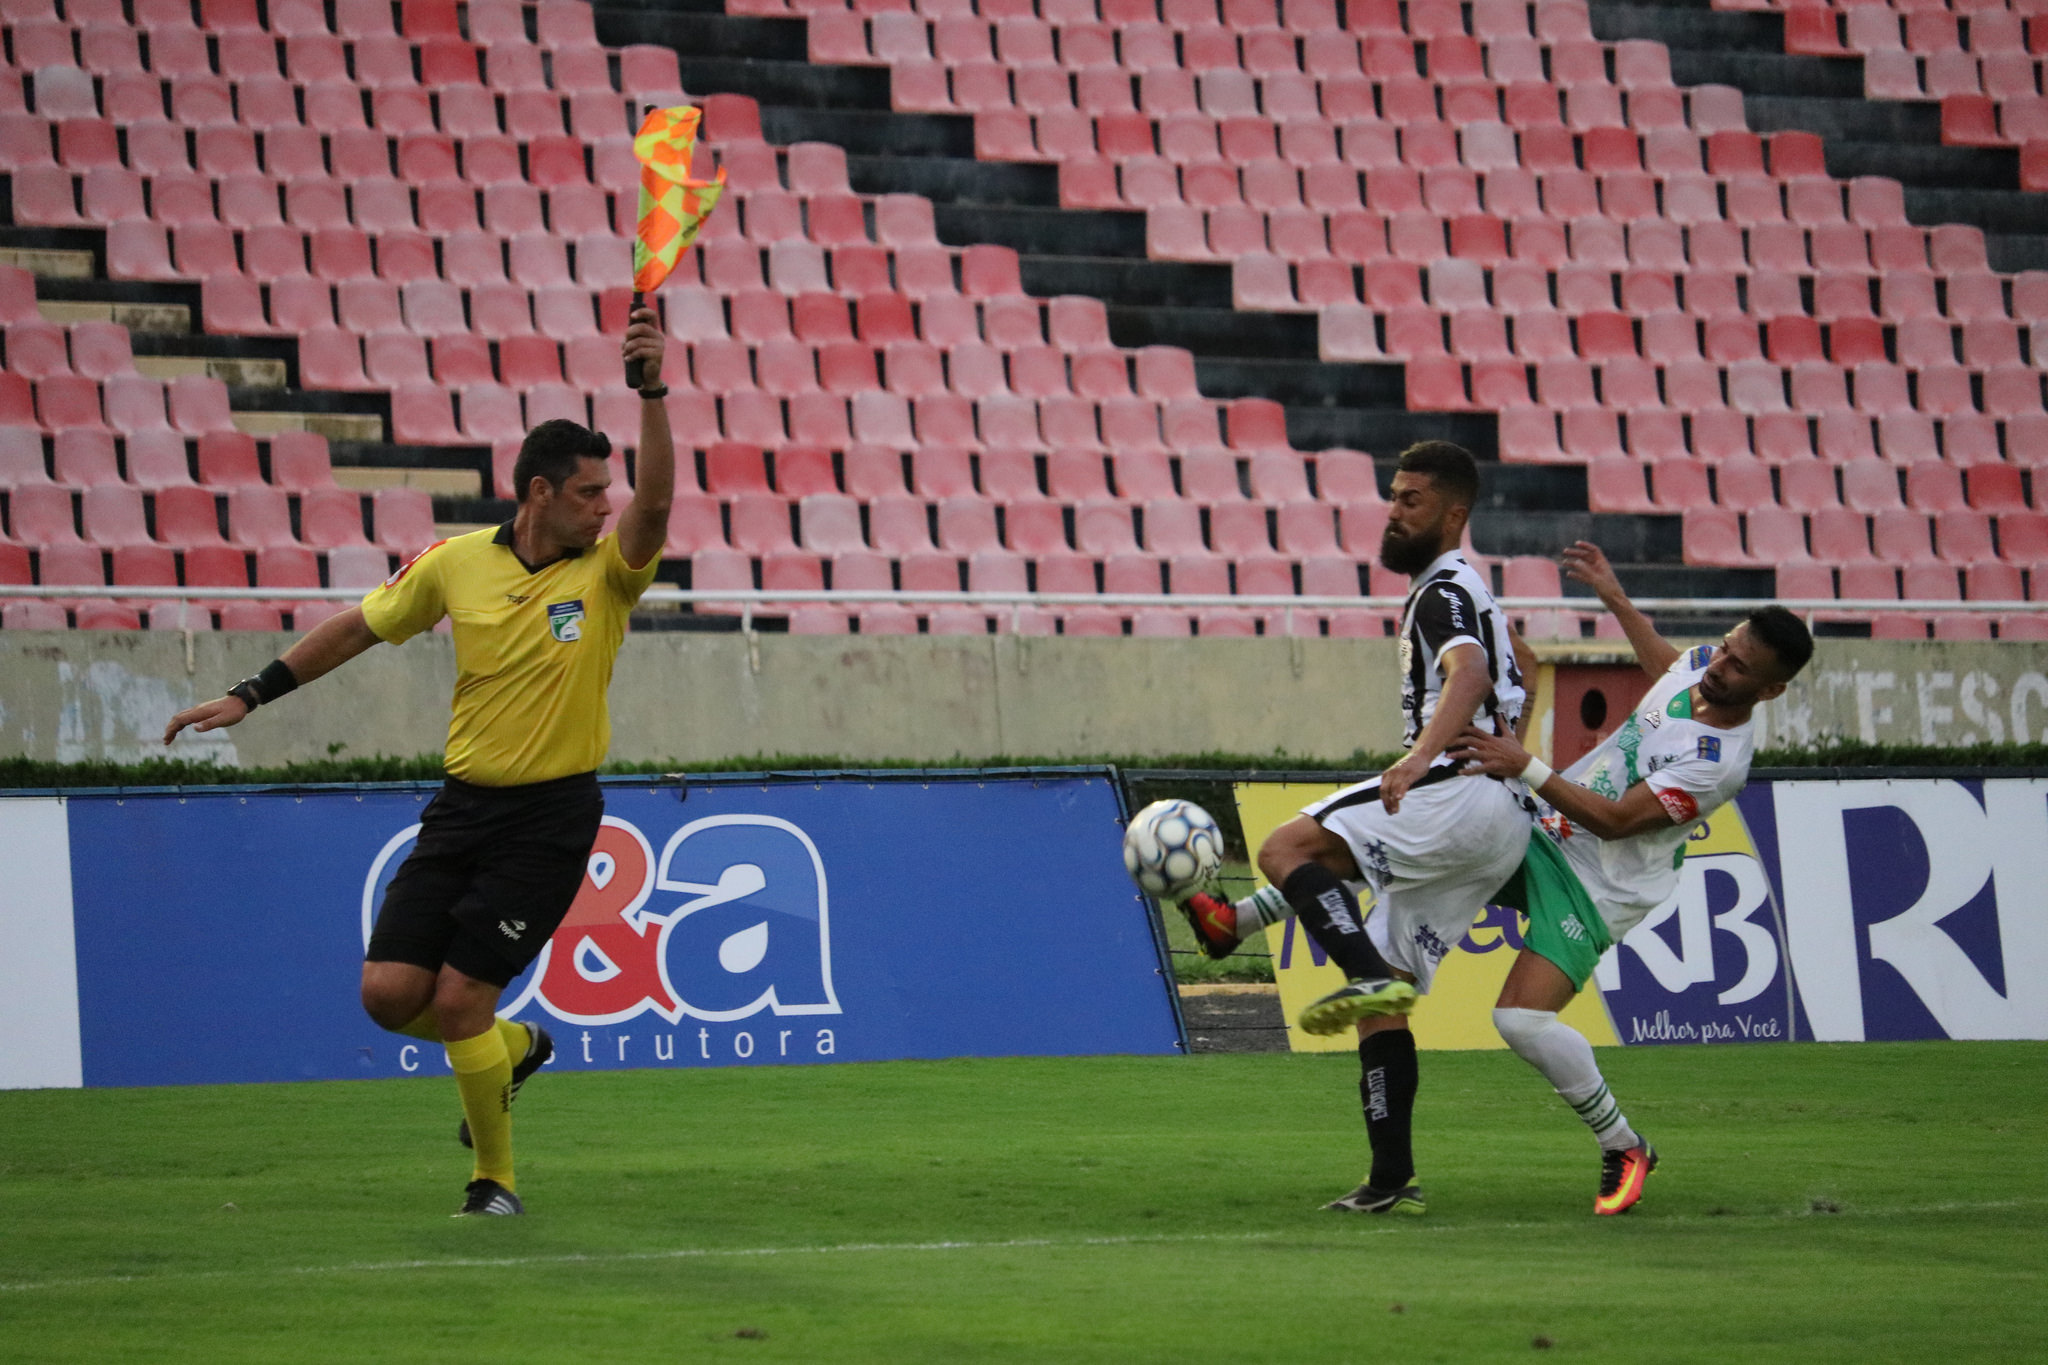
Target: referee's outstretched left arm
point(643, 526)
point(321, 650)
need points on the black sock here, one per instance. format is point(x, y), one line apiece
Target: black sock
point(1328, 910)
point(1387, 1080)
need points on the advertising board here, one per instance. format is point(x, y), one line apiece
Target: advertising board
point(1829, 910)
point(218, 934)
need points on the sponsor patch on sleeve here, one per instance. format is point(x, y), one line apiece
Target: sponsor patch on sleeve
point(1710, 748)
point(1699, 656)
point(406, 567)
point(1680, 806)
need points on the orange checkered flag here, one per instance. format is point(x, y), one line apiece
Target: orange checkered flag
point(672, 205)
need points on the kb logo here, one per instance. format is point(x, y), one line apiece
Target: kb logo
point(731, 919)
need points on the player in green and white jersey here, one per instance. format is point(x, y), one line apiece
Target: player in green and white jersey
point(1617, 822)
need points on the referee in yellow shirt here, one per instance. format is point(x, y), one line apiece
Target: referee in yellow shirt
point(539, 609)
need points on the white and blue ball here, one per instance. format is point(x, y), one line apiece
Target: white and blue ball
point(1172, 847)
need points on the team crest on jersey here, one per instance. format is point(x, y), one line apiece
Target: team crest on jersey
point(1710, 748)
point(565, 619)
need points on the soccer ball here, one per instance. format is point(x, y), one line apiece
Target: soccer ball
point(1172, 847)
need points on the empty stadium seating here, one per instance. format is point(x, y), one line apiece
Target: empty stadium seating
point(1980, 62)
point(434, 202)
point(1537, 224)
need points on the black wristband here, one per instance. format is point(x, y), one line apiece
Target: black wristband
point(273, 682)
point(276, 679)
point(661, 392)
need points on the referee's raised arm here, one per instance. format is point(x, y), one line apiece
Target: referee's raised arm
point(643, 526)
point(322, 649)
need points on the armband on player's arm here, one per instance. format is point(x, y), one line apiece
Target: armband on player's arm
point(273, 682)
point(1640, 808)
point(1678, 803)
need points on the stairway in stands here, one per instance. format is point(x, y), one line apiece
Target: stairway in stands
point(1529, 509)
point(1978, 186)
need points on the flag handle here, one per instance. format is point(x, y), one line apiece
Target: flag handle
point(634, 368)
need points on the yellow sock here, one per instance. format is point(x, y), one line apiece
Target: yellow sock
point(518, 1040)
point(483, 1073)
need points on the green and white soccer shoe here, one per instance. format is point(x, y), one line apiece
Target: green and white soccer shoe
point(1406, 1202)
point(1356, 1000)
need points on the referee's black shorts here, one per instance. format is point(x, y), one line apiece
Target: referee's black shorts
point(490, 878)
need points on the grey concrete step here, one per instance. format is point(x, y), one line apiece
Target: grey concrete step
point(1824, 95)
point(1101, 255)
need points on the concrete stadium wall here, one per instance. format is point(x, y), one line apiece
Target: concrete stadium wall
point(79, 695)
point(1907, 692)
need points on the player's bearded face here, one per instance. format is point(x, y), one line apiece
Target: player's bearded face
point(1712, 688)
point(1418, 524)
point(1740, 671)
point(1408, 547)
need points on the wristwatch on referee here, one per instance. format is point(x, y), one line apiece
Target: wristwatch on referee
point(273, 682)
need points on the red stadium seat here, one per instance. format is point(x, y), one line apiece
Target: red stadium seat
point(259, 518)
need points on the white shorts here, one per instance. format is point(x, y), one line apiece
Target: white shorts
point(1433, 864)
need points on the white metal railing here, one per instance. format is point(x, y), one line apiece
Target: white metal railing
point(752, 600)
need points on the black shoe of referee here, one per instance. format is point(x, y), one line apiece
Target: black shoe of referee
point(489, 1198)
point(538, 1050)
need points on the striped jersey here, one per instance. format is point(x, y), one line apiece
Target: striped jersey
point(1450, 604)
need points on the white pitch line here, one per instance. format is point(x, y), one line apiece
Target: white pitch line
point(1013, 1244)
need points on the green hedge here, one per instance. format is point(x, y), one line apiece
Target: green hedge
point(20, 773)
point(1842, 754)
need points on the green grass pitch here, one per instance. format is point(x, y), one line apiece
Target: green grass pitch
point(1816, 1203)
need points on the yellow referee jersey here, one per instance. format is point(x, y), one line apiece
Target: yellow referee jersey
point(533, 651)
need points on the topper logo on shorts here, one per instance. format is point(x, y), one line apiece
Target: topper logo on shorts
point(730, 920)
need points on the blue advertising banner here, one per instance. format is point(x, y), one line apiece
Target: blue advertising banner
point(833, 918)
point(1708, 965)
point(1914, 909)
point(212, 936)
point(1811, 909)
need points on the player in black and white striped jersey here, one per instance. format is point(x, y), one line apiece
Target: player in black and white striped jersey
point(1431, 841)
point(1450, 603)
